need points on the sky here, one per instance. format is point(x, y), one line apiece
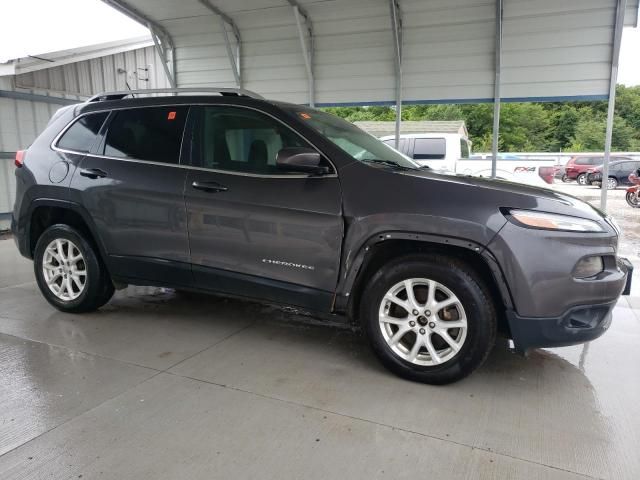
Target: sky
point(63, 24)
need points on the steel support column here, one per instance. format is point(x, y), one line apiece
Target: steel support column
point(613, 80)
point(496, 89)
point(307, 51)
point(161, 38)
point(162, 53)
point(234, 61)
point(396, 26)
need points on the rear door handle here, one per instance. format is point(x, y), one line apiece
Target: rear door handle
point(209, 186)
point(93, 173)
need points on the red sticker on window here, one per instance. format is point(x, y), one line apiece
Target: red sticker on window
point(171, 116)
point(306, 116)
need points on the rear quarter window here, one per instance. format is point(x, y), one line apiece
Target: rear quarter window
point(82, 134)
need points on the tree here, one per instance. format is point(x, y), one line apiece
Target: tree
point(529, 126)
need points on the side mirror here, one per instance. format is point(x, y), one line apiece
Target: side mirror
point(300, 159)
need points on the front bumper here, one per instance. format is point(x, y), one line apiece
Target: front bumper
point(577, 325)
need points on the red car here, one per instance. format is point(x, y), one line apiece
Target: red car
point(576, 168)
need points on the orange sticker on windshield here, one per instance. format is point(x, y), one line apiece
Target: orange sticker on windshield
point(306, 116)
point(171, 116)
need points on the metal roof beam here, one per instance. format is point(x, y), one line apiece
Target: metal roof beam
point(162, 52)
point(160, 35)
point(496, 88)
point(613, 79)
point(225, 20)
point(396, 26)
point(308, 51)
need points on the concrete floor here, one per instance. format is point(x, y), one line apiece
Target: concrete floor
point(158, 385)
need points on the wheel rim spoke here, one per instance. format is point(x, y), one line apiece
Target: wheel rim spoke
point(422, 334)
point(402, 331)
point(431, 297)
point(393, 320)
point(447, 338)
point(432, 351)
point(398, 301)
point(415, 349)
point(411, 296)
point(446, 303)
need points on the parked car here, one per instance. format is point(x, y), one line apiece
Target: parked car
point(242, 196)
point(619, 172)
point(577, 167)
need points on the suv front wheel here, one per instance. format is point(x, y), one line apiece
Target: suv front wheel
point(68, 271)
point(429, 318)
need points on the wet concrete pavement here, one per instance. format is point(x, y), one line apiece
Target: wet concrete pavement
point(160, 385)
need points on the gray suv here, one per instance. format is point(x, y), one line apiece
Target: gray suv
point(234, 194)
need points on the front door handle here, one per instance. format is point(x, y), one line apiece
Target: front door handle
point(93, 173)
point(209, 186)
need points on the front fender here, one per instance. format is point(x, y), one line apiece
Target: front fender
point(355, 262)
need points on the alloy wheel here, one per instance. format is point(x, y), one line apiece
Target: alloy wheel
point(423, 321)
point(64, 269)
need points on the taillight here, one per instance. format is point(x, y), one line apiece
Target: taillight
point(546, 173)
point(19, 161)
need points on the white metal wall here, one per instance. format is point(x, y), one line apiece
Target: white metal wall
point(140, 68)
point(22, 120)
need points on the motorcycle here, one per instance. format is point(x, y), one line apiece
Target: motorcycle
point(633, 193)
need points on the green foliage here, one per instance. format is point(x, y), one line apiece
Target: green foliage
point(528, 127)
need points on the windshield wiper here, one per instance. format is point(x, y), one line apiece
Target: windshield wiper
point(388, 163)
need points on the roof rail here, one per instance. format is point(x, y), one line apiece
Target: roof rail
point(118, 95)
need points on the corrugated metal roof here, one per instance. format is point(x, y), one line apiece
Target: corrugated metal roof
point(381, 129)
point(559, 49)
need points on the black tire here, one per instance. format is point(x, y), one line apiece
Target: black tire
point(565, 178)
point(582, 179)
point(98, 288)
point(459, 279)
point(632, 199)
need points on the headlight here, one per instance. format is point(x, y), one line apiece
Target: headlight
point(552, 221)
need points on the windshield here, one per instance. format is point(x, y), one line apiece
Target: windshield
point(353, 141)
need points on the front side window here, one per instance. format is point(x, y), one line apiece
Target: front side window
point(149, 133)
point(240, 140)
point(81, 136)
point(429, 149)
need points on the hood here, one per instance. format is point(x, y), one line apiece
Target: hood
point(514, 195)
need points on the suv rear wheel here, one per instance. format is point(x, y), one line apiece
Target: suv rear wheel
point(68, 271)
point(429, 318)
point(582, 179)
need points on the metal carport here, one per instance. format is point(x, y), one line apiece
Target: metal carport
point(373, 52)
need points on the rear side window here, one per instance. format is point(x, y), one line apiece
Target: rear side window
point(429, 149)
point(81, 136)
point(153, 134)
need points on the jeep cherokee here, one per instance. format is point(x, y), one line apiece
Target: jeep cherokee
point(234, 194)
